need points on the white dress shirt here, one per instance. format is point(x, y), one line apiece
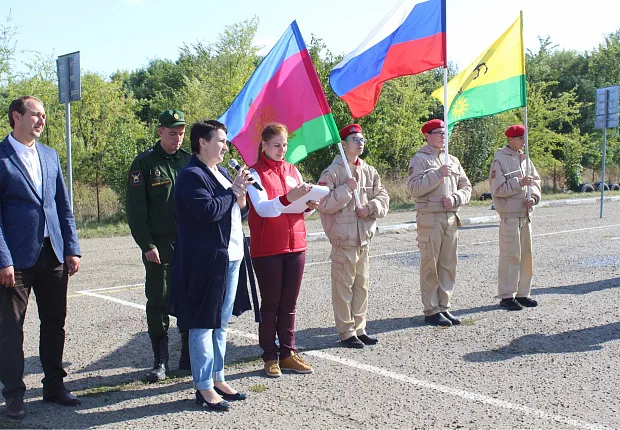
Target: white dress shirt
point(235, 246)
point(30, 158)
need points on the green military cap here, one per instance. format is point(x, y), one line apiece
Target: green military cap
point(172, 118)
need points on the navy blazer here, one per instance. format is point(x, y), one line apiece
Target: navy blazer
point(23, 211)
point(199, 273)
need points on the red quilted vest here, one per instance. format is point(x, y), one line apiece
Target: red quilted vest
point(285, 233)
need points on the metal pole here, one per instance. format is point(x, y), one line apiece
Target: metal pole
point(346, 167)
point(603, 168)
point(604, 152)
point(527, 152)
point(445, 120)
point(69, 168)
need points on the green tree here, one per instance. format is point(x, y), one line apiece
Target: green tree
point(106, 134)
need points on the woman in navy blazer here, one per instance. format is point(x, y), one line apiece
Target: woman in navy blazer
point(209, 253)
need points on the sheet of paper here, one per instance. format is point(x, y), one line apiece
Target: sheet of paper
point(316, 193)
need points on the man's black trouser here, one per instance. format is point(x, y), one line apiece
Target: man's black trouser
point(48, 278)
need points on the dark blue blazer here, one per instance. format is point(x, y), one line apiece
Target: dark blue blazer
point(199, 273)
point(23, 211)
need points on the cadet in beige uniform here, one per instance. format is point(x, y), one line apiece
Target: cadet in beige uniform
point(437, 201)
point(509, 190)
point(350, 230)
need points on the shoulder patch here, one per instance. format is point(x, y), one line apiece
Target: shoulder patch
point(135, 178)
point(410, 170)
point(493, 174)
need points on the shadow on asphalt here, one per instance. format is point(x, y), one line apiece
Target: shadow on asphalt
point(588, 287)
point(90, 414)
point(584, 340)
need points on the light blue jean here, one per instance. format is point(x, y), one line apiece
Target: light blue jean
point(207, 347)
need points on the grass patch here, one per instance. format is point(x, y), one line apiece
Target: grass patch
point(258, 388)
point(468, 321)
point(247, 361)
point(115, 225)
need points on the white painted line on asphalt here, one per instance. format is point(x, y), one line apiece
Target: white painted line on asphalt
point(575, 230)
point(113, 299)
point(475, 397)
point(468, 395)
point(481, 243)
point(111, 288)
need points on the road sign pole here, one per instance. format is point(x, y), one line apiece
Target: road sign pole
point(603, 171)
point(606, 116)
point(69, 89)
point(69, 164)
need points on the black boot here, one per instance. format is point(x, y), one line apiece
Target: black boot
point(160, 363)
point(184, 363)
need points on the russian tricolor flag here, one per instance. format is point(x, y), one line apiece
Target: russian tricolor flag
point(411, 39)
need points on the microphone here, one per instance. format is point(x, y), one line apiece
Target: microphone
point(232, 163)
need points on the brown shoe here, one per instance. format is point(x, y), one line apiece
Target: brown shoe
point(295, 364)
point(15, 408)
point(272, 369)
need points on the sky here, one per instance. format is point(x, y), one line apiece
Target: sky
point(116, 35)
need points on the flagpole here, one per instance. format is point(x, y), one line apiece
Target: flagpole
point(527, 146)
point(445, 120)
point(346, 167)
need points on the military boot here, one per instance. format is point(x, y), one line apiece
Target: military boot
point(184, 362)
point(160, 363)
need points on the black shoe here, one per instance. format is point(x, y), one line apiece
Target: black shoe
point(219, 406)
point(352, 342)
point(438, 319)
point(368, 340)
point(511, 304)
point(15, 408)
point(454, 320)
point(61, 396)
point(160, 362)
point(230, 397)
point(158, 373)
point(527, 302)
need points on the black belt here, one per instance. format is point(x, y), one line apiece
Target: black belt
point(47, 243)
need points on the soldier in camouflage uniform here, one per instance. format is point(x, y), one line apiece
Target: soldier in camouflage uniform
point(150, 213)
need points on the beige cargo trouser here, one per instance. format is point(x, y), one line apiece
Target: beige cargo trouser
point(514, 277)
point(437, 240)
point(350, 269)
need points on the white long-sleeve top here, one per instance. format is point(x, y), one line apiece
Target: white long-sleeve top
point(260, 201)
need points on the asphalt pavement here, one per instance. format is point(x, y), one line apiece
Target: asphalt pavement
point(554, 367)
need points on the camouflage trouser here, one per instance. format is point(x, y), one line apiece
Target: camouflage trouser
point(350, 273)
point(437, 240)
point(156, 288)
point(515, 272)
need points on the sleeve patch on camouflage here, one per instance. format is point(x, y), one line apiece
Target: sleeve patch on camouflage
point(135, 178)
point(410, 170)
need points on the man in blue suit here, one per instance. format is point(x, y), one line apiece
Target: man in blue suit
point(37, 235)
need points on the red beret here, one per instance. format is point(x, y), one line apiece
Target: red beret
point(350, 129)
point(515, 131)
point(432, 125)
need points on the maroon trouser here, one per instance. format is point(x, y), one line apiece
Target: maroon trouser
point(279, 280)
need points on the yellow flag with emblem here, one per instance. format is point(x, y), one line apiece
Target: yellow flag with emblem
point(493, 83)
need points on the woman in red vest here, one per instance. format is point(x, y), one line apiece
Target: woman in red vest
point(278, 249)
